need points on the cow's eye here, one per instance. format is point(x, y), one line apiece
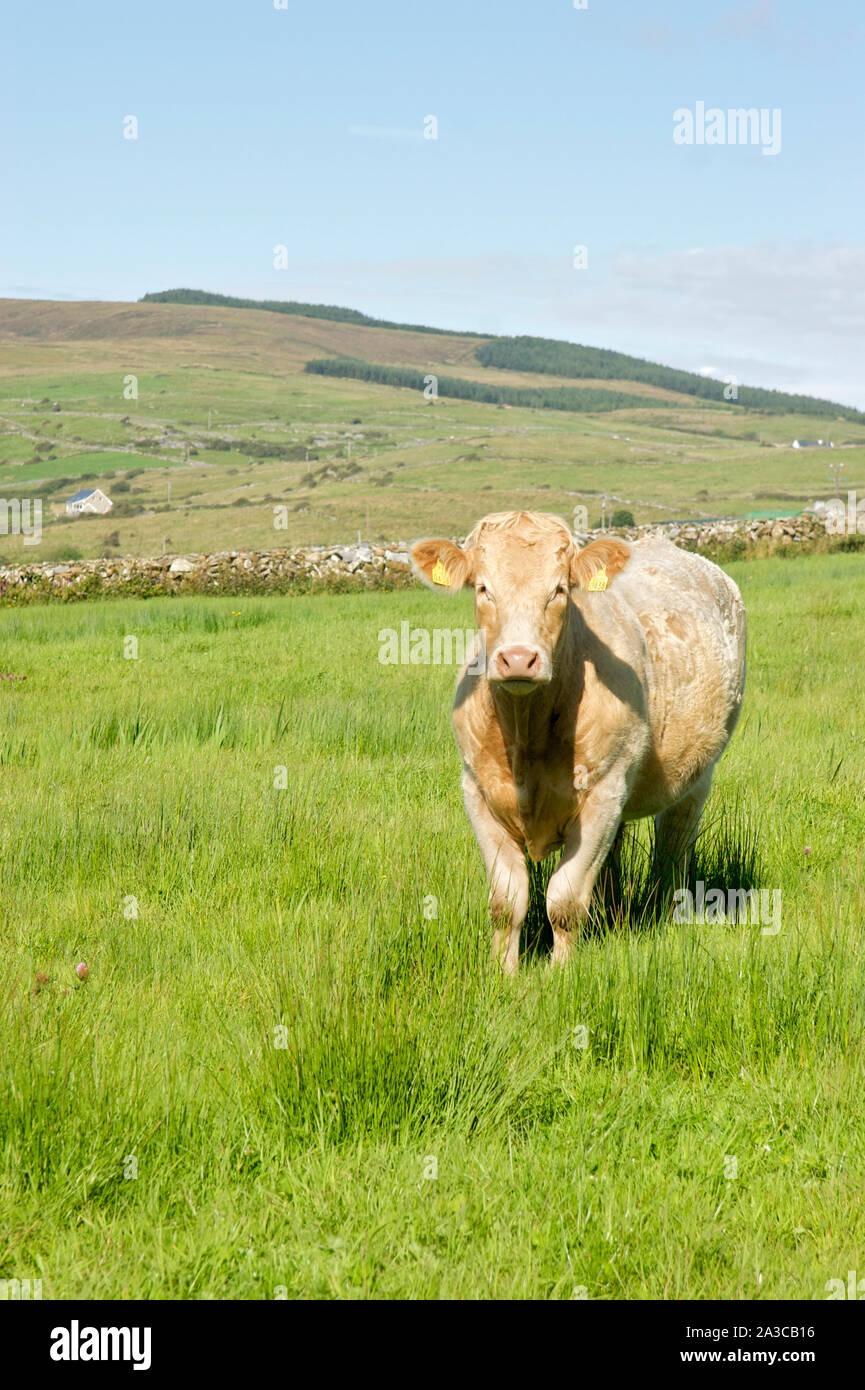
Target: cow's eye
point(482, 591)
point(558, 592)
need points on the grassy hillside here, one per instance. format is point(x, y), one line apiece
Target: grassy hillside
point(227, 424)
point(292, 1068)
point(548, 356)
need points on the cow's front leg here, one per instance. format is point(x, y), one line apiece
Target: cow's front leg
point(587, 844)
point(507, 875)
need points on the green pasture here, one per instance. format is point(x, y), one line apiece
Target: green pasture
point(292, 1070)
point(349, 457)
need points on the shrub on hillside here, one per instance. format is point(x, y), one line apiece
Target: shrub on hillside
point(459, 388)
point(617, 518)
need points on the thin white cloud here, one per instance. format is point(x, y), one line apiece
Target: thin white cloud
point(744, 21)
point(385, 132)
point(757, 22)
point(8, 291)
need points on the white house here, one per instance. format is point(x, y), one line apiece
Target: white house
point(89, 499)
point(812, 444)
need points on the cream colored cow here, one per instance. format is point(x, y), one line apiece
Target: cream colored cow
point(589, 706)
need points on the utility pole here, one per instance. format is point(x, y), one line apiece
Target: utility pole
point(835, 470)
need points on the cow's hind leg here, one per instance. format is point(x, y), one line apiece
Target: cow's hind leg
point(507, 875)
point(676, 832)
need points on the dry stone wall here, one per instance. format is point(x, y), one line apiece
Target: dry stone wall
point(305, 569)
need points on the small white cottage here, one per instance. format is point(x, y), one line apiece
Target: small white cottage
point(89, 499)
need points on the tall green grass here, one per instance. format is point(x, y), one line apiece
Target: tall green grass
point(292, 1066)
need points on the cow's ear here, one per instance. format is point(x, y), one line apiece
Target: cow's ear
point(598, 563)
point(442, 565)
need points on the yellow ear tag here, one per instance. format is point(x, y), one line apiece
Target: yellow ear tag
point(440, 574)
point(598, 581)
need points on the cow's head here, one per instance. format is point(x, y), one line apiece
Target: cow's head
point(522, 567)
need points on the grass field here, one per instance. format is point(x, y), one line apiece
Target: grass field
point(226, 424)
point(292, 1069)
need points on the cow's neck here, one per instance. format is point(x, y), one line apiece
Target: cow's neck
point(531, 723)
point(538, 737)
point(526, 720)
point(538, 743)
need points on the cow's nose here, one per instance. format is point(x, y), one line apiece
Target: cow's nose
point(518, 663)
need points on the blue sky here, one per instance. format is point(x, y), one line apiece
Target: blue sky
point(303, 127)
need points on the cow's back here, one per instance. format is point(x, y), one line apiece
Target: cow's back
point(693, 619)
